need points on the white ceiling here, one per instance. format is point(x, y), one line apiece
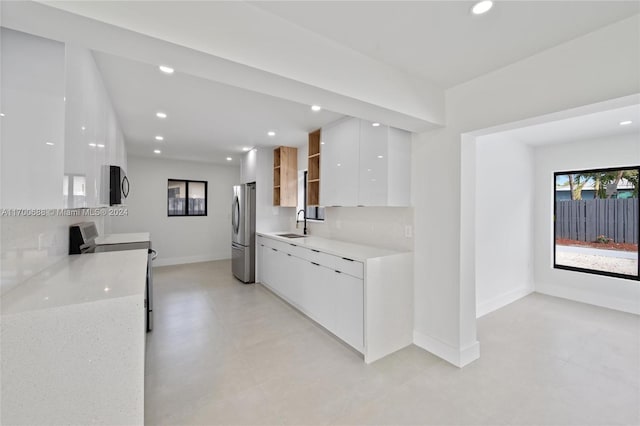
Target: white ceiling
point(207, 121)
point(345, 48)
point(589, 126)
point(440, 40)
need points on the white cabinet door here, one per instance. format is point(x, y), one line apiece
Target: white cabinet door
point(348, 309)
point(399, 167)
point(32, 131)
point(339, 164)
point(317, 295)
point(259, 260)
point(373, 182)
point(268, 265)
point(295, 279)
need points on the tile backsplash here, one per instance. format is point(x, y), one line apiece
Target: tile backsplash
point(388, 227)
point(29, 245)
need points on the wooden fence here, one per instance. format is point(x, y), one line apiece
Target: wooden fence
point(584, 220)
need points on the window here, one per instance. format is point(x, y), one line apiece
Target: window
point(596, 222)
point(313, 212)
point(186, 198)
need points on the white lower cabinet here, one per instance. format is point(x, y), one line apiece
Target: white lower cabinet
point(329, 296)
point(368, 305)
point(348, 309)
point(318, 294)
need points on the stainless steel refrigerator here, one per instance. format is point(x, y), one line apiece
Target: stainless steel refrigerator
point(243, 232)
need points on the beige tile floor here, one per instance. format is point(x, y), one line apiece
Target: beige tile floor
point(227, 353)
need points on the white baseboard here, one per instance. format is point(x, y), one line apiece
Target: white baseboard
point(630, 305)
point(189, 259)
point(502, 300)
point(455, 356)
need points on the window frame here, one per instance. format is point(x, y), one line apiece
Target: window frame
point(186, 207)
point(555, 212)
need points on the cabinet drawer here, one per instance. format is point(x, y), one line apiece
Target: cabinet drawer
point(294, 250)
point(278, 245)
point(348, 266)
point(316, 256)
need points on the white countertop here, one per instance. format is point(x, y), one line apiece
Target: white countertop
point(339, 248)
point(79, 279)
point(134, 237)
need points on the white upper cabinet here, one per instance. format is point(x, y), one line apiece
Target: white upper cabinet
point(58, 126)
point(365, 165)
point(339, 164)
point(373, 185)
point(398, 167)
point(32, 124)
point(94, 138)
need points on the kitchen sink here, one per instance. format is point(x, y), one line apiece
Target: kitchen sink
point(291, 235)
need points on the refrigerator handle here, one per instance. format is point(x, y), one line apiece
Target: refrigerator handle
point(236, 216)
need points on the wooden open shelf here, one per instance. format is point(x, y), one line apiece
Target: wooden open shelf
point(276, 177)
point(285, 176)
point(314, 143)
point(313, 193)
point(313, 169)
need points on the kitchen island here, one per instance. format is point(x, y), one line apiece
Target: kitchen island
point(361, 294)
point(73, 342)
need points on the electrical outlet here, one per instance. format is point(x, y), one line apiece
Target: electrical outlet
point(408, 231)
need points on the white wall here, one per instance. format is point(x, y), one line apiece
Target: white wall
point(179, 239)
point(504, 222)
point(602, 65)
point(374, 226)
point(599, 290)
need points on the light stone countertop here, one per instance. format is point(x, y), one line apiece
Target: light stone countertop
point(73, 342)
point(134, 237)
point(338, 248)
point(79, 279)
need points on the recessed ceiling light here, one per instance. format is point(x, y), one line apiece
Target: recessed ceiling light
point(380, 156)
point(321, 143)
point(165, 69)
point(339, 164)
point(106, 289)
point(157, 151)
point(49, 143)
point(482, 7)
point(229, 158)
point(159, 138)
point(161, 114)
point(93, 145)
point(246, 148)
point(100, 145)
point(375, 124)
point(626, 122)
point(83, 128)
point(1, 114)
point(316, 108)
point(271, 133)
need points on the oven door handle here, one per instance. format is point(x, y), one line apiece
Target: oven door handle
point(154, 254)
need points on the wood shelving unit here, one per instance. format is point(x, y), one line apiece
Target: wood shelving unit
point(313, 168)
point(285, 176)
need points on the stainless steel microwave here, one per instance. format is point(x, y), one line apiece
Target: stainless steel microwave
point(115, 185)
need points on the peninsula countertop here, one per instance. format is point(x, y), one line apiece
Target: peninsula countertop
point(133, 237)
point(73, 342)
point(79, 279)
